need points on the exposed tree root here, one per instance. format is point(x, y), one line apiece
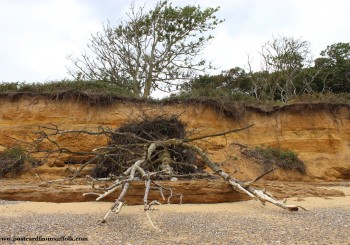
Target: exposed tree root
point(245, 187)
point(155, 159)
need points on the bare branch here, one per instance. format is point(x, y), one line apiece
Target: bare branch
point(249, 183)
point(218, 134)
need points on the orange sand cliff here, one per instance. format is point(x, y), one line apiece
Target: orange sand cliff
point(321, 136)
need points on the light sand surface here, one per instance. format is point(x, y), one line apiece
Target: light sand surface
point(326, 222)
point(21, 208)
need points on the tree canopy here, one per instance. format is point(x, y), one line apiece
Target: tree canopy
point(334, 66)
point(149, 50)
point(286, 71)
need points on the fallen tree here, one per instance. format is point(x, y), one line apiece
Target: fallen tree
point(149, 150)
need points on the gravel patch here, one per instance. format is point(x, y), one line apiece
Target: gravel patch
point(5, 202)
point(270, 226)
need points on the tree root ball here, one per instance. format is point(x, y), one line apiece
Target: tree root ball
point(153, 129)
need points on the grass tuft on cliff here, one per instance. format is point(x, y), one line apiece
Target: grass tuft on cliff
point(64, 86)
point(277, 157)
point(92, 92)
point(12, 161)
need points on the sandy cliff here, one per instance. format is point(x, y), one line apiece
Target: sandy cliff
point(319, 133)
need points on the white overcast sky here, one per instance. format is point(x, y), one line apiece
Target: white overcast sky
point(37, 35)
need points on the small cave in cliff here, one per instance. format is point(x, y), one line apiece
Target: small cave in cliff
point(126, 149)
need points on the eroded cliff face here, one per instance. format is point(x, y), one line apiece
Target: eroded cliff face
point(320, 136)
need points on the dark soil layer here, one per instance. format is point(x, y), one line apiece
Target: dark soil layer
point(233, 109)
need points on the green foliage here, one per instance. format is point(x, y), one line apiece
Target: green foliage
point(338, 53)
point(232, 80)
point(286, 76)
point(277, 153)
point(327, 81)
point(334, 68)
point(282, 158)
point(219, 95)
point(325, 98)
point(63, 86)
point(151, 50)
point(8, 87)
point(12, 161)
point(13, 153)
point(231, 85)
point(99, 92)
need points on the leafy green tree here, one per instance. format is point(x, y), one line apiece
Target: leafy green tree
point(149, 50)
point(226, 84)
point(334, 66)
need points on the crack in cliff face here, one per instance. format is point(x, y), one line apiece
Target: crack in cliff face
point(311, 130)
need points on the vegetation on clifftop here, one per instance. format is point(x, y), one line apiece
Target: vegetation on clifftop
point(103, 94)
point(158, 50)
point(64, 86)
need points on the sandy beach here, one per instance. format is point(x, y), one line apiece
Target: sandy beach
point(247, 222)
